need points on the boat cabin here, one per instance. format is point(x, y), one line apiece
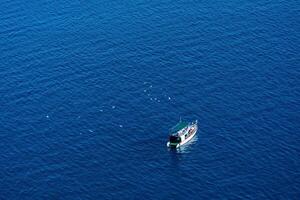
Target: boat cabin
point(174, 139)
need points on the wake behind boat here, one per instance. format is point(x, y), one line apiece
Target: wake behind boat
point(181, 133)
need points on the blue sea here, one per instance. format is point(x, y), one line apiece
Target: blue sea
point(90, 89)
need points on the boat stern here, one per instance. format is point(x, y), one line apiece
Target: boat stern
point(174, 141)
point(173, 145)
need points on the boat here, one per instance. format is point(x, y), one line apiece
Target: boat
point(181, 133)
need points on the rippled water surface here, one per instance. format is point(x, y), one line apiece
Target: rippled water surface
point(89, 90)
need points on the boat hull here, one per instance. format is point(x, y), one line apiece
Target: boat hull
point(183, 139)
point(189, 138)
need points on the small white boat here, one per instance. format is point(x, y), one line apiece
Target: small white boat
point(182, 133)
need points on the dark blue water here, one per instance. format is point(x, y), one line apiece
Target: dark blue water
point(89, 90)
